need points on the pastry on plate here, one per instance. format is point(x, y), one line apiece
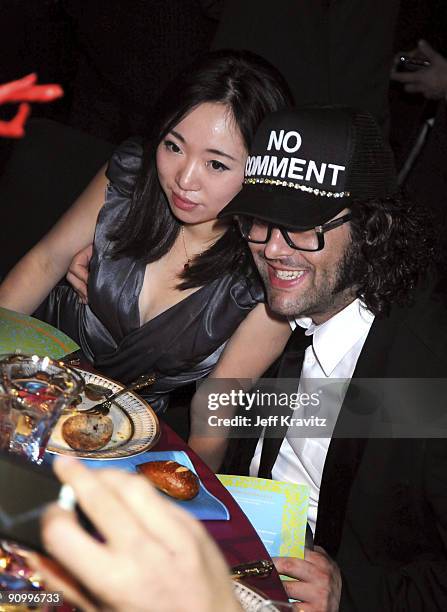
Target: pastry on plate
point(87, 432)
point(172, 478)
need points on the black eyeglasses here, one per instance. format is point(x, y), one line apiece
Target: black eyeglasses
point(259, 232)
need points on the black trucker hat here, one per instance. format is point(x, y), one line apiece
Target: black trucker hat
point(306, 165)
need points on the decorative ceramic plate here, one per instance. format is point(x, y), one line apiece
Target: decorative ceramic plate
point(250, 600)
point(135, 425)
point(20, 333)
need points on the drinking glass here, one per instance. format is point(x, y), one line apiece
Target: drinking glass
point(35, 391)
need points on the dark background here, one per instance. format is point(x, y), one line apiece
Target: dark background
point(113, 58)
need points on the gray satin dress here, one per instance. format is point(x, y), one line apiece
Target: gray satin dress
point(180, 345)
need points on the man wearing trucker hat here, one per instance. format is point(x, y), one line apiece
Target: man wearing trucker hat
point(348, 260)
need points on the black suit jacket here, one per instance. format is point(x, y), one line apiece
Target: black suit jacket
point(382, 511)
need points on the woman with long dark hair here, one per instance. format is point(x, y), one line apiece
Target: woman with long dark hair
point(169, 284)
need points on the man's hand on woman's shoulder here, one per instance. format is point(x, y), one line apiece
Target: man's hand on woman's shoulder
point(78, 271)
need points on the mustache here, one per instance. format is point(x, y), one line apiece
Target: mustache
point(287, 262)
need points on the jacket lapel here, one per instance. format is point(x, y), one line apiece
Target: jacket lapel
point(345, 453)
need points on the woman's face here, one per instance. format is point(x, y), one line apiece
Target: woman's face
point(200, 163)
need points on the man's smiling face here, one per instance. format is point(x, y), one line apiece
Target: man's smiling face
point(312, 284)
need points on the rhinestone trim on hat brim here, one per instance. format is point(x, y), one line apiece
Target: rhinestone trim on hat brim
point(290, 185)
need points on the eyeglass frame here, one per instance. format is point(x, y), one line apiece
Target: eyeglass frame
point(319, 229)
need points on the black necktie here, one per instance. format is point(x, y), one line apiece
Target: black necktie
point(289, 367)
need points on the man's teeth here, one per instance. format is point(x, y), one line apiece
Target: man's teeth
point(289, 274)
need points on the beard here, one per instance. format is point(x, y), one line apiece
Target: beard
point(336, 289)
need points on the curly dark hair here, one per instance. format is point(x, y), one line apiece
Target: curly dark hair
point(394, 246)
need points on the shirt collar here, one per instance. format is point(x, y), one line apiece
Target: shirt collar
point(336, 336)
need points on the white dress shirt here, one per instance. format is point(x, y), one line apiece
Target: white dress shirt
point(336, 347)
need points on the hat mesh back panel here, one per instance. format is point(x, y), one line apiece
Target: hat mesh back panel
point(372, 172)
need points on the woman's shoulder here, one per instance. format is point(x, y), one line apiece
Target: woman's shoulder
point(122, 173)
point(124, 165)
point(246, 288)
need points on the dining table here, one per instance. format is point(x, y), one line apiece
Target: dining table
point(236, 537)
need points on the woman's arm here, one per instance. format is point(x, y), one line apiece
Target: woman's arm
point(257, 342)
point(31, 280)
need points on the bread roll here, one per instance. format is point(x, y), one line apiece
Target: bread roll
point(87, 432)
point(172, 478)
